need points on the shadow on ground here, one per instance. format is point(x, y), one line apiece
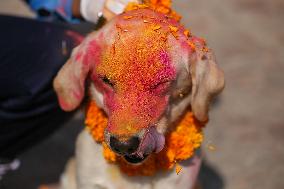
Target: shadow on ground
point(209, 177)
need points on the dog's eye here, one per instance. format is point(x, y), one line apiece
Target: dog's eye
point(107, 81)
point(160, 87)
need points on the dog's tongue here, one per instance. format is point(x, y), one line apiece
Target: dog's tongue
point(152, 142)
point(159, 140)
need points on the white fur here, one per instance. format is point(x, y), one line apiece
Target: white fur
point(93, 172)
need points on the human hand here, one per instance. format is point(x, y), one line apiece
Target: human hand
point(91, 10)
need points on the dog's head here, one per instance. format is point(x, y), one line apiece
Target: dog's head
point(144, 74)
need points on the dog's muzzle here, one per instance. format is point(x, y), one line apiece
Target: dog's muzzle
point(137, 149)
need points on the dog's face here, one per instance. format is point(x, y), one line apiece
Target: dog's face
point(144, 75)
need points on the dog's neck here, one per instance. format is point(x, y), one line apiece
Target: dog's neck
point(181, 143)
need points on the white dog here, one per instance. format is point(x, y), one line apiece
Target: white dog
point(144, 70)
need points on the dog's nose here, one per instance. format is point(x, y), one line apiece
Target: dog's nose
point(124, 147)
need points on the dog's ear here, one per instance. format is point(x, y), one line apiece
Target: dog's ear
point(207, 81)
point(69, 84)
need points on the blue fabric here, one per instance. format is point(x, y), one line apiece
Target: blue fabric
point(58, 9)
point(30, 56)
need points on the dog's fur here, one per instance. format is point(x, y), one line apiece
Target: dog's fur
point(197, 79)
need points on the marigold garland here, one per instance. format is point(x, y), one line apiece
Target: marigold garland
point(180, 145)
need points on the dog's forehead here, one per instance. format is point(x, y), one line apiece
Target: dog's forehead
point(143, 49)
point(135, 57)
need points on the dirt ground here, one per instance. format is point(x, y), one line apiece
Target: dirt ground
point(247, 121)
point(247, 126)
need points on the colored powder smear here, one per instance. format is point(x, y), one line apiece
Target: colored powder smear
point(139, 66)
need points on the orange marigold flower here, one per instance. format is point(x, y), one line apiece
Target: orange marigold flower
point(178, 168)
point(108, 154)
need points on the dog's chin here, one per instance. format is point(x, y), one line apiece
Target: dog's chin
point(153, 142)
point(134, 159)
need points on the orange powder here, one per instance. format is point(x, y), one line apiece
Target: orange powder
point(162, 6)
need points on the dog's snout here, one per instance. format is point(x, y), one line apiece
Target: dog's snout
point(124, 147)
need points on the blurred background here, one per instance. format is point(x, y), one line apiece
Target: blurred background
point(244, 143)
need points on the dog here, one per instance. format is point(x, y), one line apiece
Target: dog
point(144, 71)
